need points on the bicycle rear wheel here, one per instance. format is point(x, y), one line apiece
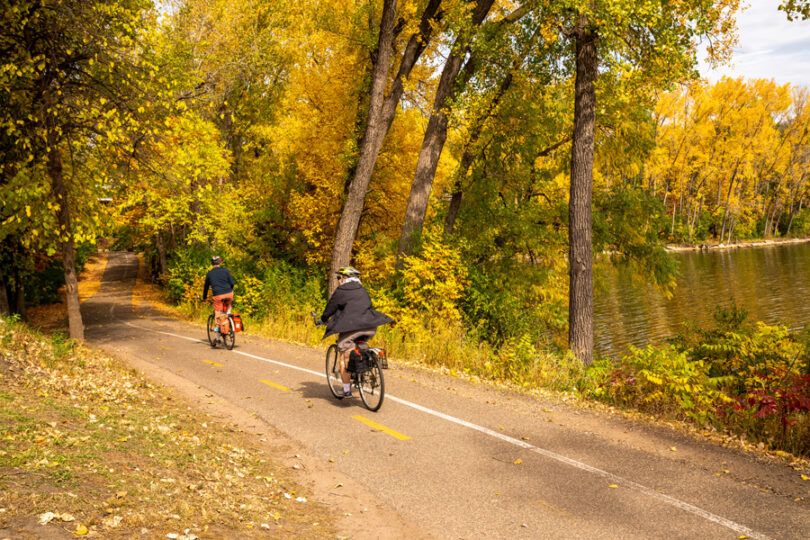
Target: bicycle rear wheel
point(230, 338)
point(211, 327)
point(372, 386)
point(333, 372)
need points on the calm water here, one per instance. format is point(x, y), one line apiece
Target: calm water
point(772, 283)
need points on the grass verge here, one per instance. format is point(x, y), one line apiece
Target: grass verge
point(91, 448)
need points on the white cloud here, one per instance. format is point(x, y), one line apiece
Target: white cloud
point(770, 47)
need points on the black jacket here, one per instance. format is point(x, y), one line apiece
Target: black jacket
point(220, 281)
point(350, 310)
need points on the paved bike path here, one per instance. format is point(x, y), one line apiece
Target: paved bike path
point(466, 461)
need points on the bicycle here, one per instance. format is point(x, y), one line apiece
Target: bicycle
point(369, 383)
point(229, 339)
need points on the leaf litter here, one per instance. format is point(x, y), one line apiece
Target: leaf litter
point(82, 422)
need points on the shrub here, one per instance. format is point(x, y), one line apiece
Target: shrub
point(773, 409)
point(249, 296)
point(751, 380)
point(187, 269)
point(432, 284)
point(658, 380)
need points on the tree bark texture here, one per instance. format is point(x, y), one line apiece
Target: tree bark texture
point(161, 249)
point(433, 141)
point(381, 111)
point(580, 295)
point(59, 189)
point(5, 309)
point(19, 300)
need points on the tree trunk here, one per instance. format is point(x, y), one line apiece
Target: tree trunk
point(433, 142)
point(452, 210)
point(728, 199)
point(161, 249)
point(769, 211)
point(731, 223)
point(4, 307)
point(778, 221)
point(59, 189)
point(580, 295)
point(19, 300)
point(432, 145)
point(674, 210)
point(792, 215)
point(381, 111)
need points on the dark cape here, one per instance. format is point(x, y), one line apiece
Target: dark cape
point(349, 310)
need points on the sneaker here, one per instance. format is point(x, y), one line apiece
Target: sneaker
point(347, 394)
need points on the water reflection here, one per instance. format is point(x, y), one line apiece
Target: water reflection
point(770, 282)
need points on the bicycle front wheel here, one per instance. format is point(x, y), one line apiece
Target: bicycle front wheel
point(333, 372)
point(230, 338)
point(372, 386)
point(211, 327)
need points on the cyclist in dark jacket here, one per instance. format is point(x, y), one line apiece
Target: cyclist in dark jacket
point(350, 315)
point(220, 281)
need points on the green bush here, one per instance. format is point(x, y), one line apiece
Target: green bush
point(288, 286)
point(659, 380)
point(185, 268)
point(751, 380)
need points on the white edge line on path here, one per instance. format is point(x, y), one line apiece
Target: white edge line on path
point(692, 509)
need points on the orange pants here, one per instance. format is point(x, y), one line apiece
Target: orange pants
point(221, 304)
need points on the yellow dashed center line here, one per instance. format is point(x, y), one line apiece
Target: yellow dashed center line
point(375, 425)
point(213, 363)
point(274, 385)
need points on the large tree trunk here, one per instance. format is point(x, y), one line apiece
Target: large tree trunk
point(580, 295)
point(433, 142)
point(59, 189)
point(381, 111)
point(4, 307)
point(161, 249)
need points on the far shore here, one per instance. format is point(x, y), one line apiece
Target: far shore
point(742, 244)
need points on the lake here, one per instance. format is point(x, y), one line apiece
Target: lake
point(771, 282)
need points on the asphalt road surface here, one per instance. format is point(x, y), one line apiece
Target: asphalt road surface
point(465, 460)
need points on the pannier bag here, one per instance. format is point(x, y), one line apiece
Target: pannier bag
point(358, 361)
point(237, 323)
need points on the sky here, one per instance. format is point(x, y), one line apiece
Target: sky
point(770, 47)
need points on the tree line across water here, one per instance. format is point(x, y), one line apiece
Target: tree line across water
point(459, 153)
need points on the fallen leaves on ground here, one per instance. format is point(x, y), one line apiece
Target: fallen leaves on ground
point(76, 421)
